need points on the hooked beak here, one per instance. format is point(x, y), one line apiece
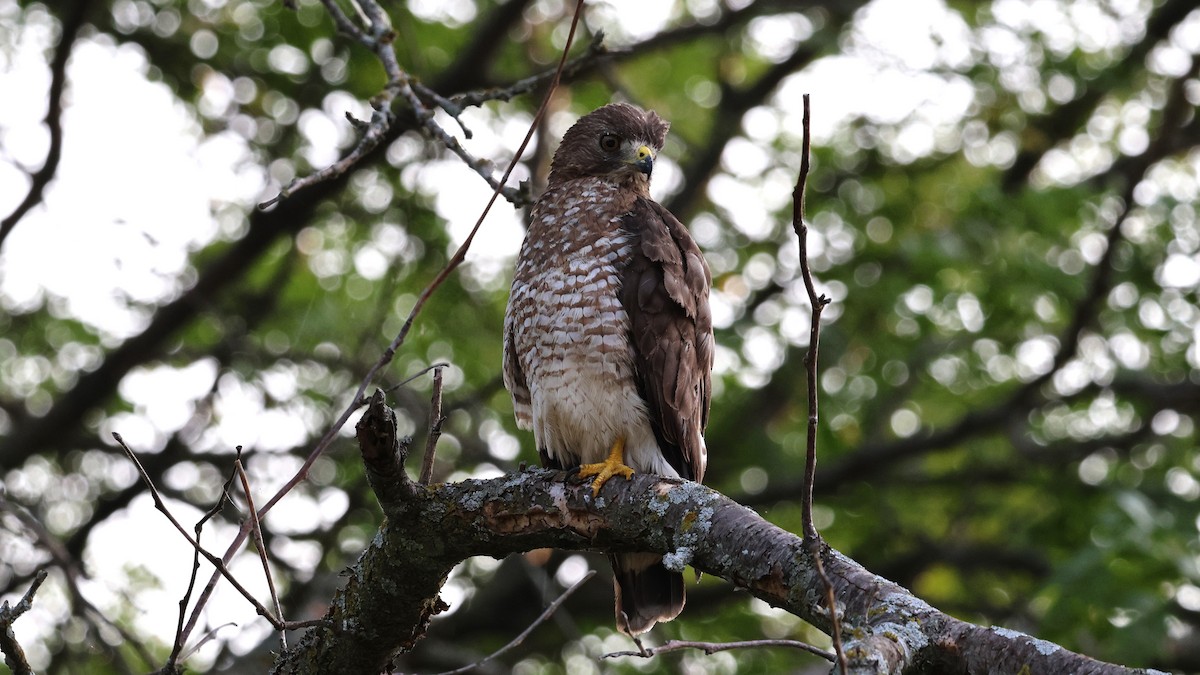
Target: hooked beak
point(645, 160)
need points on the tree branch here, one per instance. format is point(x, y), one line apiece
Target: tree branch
point(390, 352)
point(817, 303)
point(814, 336)
point(14, 656)
point(392, 592)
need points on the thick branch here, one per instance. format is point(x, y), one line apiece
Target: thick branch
point(392, 591)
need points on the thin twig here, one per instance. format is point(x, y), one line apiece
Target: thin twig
point(480, 166)
point(835, 618)
point(258, 541)
point(344, 25)
point(379, 37)
point(180, 638)
point(439, 364)
point(14, 655)
point(811, 537)
point(452, 109)
point(818, 304)
point(204, 640)
point(587, 59)
point(435, 428)
point(714, 647)
point(525, 633)
point(216, 562)
point(359, 399)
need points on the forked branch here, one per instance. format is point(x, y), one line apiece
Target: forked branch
point(14, 655)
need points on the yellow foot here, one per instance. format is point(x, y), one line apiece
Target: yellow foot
point(613, 465)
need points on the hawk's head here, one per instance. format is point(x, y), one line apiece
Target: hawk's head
point(618, 140)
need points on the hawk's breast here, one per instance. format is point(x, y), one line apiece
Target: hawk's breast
point(570, 333)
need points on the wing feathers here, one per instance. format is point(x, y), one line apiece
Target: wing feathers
point(514, 378)
point(665, 293)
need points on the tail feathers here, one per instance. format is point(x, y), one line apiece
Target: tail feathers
point(647, 592)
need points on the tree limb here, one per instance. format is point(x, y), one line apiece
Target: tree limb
point(392, 592)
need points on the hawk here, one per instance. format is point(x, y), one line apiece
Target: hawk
point(608, 343)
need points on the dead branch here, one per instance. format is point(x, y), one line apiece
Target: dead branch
point(377, 35)
point(180, 636)
point(221, 568)
point(818, 304)
point(435, 428)
point(255, 525)
point(549, 611)
point(14, 655)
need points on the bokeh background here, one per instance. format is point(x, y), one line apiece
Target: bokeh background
point(1003, 210)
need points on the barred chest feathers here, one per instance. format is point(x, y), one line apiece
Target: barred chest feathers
point(570, 331)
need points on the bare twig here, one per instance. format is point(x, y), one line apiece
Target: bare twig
point(452, 109)
point(525, 633)
point(439, 364)
point(204, 640)
point(180, 637)
point(435, 428)
point(479, 166)
point(835, 619)
point(14, 655)
point(344, 25)
point(252, 515)
point(378, 36)
point(714, 647)
point(818, 304)
point(587, 59)
point(811, 537)
point(386, 358)
point(216, 562)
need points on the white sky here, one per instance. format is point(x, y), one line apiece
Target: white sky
point(137, 188)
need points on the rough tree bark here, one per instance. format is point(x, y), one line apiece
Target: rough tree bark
point(392, 592)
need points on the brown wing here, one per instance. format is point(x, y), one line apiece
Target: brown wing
point(514, 375)
point(665, 293)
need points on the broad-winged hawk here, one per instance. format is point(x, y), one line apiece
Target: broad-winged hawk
point(608, 341)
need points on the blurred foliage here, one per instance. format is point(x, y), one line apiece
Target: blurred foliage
point(968, 176)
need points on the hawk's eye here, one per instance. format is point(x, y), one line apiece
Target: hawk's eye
point(609, 142)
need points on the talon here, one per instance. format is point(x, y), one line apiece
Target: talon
point(613, 465)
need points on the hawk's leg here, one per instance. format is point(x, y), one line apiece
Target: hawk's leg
point(613, 465)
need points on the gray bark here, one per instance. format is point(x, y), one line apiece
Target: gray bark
point(392, 592)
